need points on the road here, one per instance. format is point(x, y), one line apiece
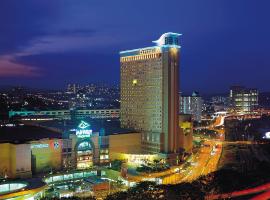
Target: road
point(202, 163)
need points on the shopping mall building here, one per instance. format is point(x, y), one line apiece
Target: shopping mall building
point(41, 148)
point(35, 149)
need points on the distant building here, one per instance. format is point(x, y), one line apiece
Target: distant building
point(72, 88)
point(191, 105)
point(149, 94)
point(219, 100)
point(220, 103)
point(243, 99)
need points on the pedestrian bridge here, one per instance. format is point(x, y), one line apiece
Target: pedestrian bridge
point(69, 176)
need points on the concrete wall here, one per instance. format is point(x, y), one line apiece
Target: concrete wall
point(23, 160)
point(15, 160)
point(6, 157)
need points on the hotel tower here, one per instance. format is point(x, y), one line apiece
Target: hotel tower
point(149, 94)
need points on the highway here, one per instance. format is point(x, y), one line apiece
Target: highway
point(202, 163)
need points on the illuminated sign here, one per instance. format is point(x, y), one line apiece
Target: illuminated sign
point(39, 146)
point(82, 131)
point(186, 126)
point(267, 135)
point(83, 125)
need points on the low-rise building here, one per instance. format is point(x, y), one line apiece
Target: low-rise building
point(34, 149)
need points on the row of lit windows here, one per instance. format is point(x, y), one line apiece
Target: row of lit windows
point(103, 157)
point(140, 57)
point(65, 112)
point(153, 68)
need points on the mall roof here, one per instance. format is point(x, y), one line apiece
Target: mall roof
point(22, 133)
point(111, 127)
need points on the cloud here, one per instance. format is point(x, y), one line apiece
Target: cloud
point(79, 41)
point(9, 68)
point(22, 21)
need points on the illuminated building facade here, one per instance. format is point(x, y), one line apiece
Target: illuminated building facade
point(40, 150)
point(89, 148)
point(33, 157)
point(186, 132)
point(191, 105)
point(149, 94)
point(12, 165)
point(243, 99)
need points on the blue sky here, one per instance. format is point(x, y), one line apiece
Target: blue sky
point(48, 44)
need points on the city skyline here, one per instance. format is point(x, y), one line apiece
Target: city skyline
point(75, 42)
point(134, 100)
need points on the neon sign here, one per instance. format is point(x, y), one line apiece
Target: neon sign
point(82, 131)
point(83, 125)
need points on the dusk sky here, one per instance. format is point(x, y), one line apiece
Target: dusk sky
point(49, 43)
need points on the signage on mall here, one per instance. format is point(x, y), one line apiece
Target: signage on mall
point(39, 146)
point(83, 130)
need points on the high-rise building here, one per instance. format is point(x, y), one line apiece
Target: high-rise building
point(149, 94)
point(243, 99)
point(191, 105)
point(72, 88)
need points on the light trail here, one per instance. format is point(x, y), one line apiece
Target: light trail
point(255, 190)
